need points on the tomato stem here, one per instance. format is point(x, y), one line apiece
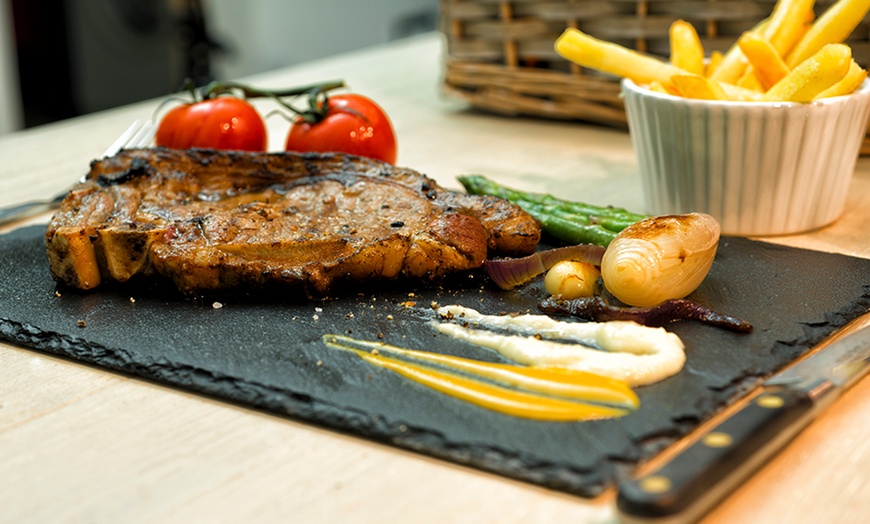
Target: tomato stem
point(316, 94)
point(190, 87)
point(215, 89)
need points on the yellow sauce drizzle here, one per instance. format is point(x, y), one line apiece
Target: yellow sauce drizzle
point(541, 393)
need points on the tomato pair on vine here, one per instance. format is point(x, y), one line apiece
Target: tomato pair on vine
point(348, 123)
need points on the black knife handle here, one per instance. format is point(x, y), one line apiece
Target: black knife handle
point(695, 479)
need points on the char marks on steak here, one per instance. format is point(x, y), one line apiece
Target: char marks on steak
point(214, 220)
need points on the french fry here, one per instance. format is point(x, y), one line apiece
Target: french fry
point(813, 76)
point(697, 86)
point(753, 69)
point(740, 94)
point(767, 66)
point(733, 62)
point(854, 78)
point(833, 26)
point(750, 81)
point(780, 25)
point(731, 67)
point(687, 53)
point(713, 63)
point(614, 59)
point(659, 88)
point(789, 21)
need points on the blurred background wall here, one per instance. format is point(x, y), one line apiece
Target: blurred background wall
point(64, 58)
point(265, 34)
point(10, 100)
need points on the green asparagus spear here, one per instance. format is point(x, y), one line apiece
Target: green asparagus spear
point(571, 222)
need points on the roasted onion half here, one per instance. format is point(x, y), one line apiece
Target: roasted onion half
point(660, 258)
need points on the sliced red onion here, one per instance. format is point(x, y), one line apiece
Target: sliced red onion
point(508, 273)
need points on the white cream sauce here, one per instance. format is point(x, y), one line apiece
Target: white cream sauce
point(636, 354)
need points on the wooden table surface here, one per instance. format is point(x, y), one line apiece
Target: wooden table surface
point(79, 444)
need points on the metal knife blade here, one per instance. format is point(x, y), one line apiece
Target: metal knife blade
point(694, 480)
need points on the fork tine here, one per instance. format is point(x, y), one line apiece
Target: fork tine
point(139, 134)
point(144, 136)
point(125, 137)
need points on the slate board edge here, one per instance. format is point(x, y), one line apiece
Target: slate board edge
point(286, 403)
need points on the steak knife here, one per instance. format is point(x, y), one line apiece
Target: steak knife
point(699, 476)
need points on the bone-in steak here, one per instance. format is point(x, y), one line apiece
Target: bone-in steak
point(213, 220)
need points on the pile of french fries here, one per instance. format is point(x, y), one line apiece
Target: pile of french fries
point(791, 56)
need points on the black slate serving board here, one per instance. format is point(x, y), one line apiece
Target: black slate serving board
point(268, 354)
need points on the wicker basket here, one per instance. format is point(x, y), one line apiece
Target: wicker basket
point(500, 55)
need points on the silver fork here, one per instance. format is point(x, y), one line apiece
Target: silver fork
point(139, 134)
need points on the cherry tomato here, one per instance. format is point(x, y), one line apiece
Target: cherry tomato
point(351, 124)
point(217, 123)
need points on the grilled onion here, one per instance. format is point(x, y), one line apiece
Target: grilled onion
point(660, 258)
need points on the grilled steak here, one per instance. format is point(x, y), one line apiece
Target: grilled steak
point(214, 220)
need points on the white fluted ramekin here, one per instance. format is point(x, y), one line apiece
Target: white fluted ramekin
point(760, 168)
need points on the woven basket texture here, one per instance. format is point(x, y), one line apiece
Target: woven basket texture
point(500, 55)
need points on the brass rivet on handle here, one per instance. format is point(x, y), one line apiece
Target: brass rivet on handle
point(770, 401)
point(655, 484)
point(717, 439)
